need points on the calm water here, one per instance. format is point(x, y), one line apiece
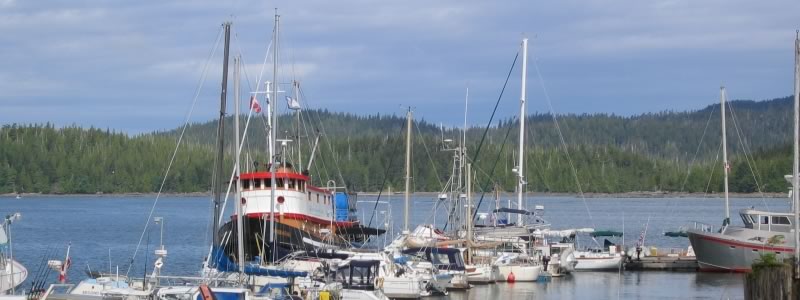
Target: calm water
point(96, 225)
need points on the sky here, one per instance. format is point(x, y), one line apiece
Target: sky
point(136, 66)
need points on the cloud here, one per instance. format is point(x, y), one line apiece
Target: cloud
point(367, 57)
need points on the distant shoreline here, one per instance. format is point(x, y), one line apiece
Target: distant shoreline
point(615, 195)
point(654, 195)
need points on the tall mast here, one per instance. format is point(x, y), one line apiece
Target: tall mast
point(297, 135)
point(725, 162)
point(239, 212)
point(469, 212)
point(521, 166)
point(221, 137)
point(464, 130)
point(272, 134)
point(795, 171)
point(408, 172)
point(462, 154)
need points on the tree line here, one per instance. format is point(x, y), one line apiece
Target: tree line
point(604, 153)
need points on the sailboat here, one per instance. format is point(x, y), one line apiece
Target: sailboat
point(735, 248)
point(12, 273)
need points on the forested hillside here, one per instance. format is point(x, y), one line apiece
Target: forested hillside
point(669, 135)
point(650, 152)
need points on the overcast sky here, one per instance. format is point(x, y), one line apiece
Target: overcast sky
point(135, 65)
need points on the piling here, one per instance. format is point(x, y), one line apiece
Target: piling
point(770, 281)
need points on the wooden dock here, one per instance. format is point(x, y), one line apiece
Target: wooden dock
point(662, 263)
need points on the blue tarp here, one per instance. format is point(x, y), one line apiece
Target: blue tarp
point(342, 206)
point(224, 264)
point(254, 269)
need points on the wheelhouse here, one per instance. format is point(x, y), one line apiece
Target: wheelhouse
point(768, 221)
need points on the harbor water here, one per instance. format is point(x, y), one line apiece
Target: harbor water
point(104, 232)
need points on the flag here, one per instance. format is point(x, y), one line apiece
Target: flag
point(254, 104)
point(62, 274)
point(293, 103)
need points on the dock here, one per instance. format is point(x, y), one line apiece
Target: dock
point(662, 263)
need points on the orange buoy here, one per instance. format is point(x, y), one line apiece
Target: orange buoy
point(511, 278)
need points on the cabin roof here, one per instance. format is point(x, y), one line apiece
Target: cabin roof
point(748, 211)
point(266, 175)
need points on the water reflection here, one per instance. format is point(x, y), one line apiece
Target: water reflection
point(611, 285)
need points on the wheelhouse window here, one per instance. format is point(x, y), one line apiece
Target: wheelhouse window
point(764, 219)
point(258, 183)
point(781, 220)
point(292, 183)
point(746, 220)
point(246, 184)
point(280, 183)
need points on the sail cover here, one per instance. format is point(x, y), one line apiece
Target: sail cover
point(513, 211)
point(605, 233)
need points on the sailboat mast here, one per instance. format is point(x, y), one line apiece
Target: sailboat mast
point(469, 213)
point(796, 150)
point(462, 151)
point(297, 135)
point(272, 135)
point(221, 137)
point(408, 172)
point(726, 165)
point(239, 212)
point(521, 166)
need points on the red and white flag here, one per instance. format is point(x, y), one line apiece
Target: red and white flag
point(254, 104)
point(62, 274)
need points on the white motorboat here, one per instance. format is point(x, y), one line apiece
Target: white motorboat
point(516, 268)
point(595, 260)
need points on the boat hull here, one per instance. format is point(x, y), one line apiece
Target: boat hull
point(611, 263)
point(521, 273)
point(735, 251)
point(403, 288)
point(20, 273)
point(289, 237)
point(482, 274)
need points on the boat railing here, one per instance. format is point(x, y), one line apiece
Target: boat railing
point(703, 227)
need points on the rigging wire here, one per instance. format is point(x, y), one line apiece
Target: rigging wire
point(203, 75)
point(489, 124)
point(713, 170)
point(491, 172)
point(385, 178)
point(430, 158)
point(561, 139)
point(748, 157)
point(496, 104)
point(670, 203)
